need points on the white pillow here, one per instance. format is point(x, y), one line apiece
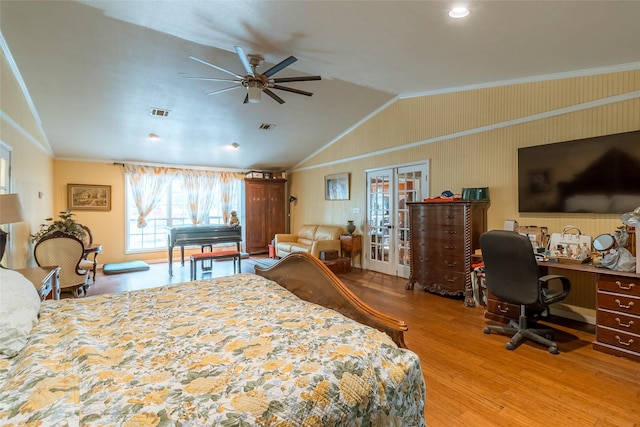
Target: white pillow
point(19, 307)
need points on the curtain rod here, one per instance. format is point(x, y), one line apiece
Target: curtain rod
point(160, 165)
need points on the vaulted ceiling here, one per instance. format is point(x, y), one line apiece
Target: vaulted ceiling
point(95, 69)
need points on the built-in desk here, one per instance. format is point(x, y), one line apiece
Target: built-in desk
point(617, 308)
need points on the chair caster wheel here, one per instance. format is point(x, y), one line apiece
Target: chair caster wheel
point(486, 330)
point(553, 350)
point(509, 346)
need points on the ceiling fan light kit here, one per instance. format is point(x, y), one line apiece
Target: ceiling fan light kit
point(255, 82)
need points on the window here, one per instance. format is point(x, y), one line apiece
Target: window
point(170, 211)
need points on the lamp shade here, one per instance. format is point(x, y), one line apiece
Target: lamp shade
point(10, 209)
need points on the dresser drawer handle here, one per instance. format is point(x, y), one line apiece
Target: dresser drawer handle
point(503, 310)
point(451, 264)
point(453, 280)
point(623, 305)
point(628, 343)
point(451, 232)
point(626, 325)
point(626, 288)
point(450, 216)
point(449, 247)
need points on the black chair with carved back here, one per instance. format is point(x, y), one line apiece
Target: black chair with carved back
point(512, 275)
point(67, 252)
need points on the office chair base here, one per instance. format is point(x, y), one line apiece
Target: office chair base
point(520, 331)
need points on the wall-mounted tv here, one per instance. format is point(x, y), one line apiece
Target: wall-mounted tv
point(592, 175)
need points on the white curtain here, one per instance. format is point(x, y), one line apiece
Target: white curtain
point(148, 186)
point(201, 187)
point(230, 188)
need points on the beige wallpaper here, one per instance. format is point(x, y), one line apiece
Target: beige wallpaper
point(471, 139)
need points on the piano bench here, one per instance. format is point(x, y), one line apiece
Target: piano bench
point(209, 256)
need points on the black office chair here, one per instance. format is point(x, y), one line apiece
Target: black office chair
point(512, 275)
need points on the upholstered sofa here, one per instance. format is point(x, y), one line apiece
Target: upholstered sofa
point(311, 238)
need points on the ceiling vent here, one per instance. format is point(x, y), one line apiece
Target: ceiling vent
point(267, 126)
point(159, 112)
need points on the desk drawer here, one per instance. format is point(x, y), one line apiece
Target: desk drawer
point(620, 321)
point(619, 285)
point(502, 308)
point(618, 302)
point(614, 337)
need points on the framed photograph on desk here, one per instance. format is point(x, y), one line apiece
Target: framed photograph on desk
point(89, 197)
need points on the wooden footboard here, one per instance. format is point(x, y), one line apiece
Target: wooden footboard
point(309, 279)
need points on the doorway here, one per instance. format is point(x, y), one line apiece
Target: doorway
point(389, 191)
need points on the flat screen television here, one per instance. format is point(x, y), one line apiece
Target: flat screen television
point(592, 175)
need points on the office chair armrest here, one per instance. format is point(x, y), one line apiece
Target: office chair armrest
point(550, 298)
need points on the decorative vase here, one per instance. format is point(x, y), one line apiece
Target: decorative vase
point(351, 227)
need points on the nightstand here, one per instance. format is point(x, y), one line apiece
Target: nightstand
point(45, 279)
point(351, 245)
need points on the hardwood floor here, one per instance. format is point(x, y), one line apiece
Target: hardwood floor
point(472, 380)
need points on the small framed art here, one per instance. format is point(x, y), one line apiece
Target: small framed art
point(89, 197)
point(336, 187)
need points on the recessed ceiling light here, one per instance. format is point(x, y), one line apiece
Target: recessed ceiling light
point(153, 137)
point(459, 12)
point(235, 145)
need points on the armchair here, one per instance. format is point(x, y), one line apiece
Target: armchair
point(67, 252)
point(512, 274)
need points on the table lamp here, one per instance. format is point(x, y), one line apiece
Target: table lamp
point(10, 212)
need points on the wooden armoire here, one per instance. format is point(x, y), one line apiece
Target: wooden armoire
point(265, 212)
point(443, 236)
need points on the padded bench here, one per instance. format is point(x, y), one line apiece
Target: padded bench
point(209, 256)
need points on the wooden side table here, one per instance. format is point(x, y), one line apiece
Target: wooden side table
point(351, 245)
point(45, 279)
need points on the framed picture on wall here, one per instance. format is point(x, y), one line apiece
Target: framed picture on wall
point(89, 197)
point(336, 187)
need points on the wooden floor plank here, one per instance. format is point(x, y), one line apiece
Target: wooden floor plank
point(472, 380)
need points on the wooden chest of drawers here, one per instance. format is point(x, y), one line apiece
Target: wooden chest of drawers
point(443, 235)
point(618, 315)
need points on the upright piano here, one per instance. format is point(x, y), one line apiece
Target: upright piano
point(200, 234)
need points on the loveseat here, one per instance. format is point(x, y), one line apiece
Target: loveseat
point(311, 238)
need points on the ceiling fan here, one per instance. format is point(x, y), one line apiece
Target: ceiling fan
point(255, 82)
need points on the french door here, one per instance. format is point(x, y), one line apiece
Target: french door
point(387, 215)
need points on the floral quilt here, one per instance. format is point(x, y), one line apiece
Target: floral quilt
point(232, 351)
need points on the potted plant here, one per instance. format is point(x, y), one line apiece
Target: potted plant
point(65, 224)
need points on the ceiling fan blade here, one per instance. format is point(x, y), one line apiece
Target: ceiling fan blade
point(296, 79)
point(223, 90)
point(245, 62)
point(274, 96)
point(290, 89)
point(271, 71)
point(213, 79)
point(216, 67)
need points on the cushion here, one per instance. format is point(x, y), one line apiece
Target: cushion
point(125, 267)
point(307, 231)
point(327, 232)
point(213, 255)
point(299, 247)
point(19, 307)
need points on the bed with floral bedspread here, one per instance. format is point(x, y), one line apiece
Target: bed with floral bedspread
point(232, 351)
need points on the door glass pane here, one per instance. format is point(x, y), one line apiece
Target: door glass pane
point(408, 191)
point(378, 217)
